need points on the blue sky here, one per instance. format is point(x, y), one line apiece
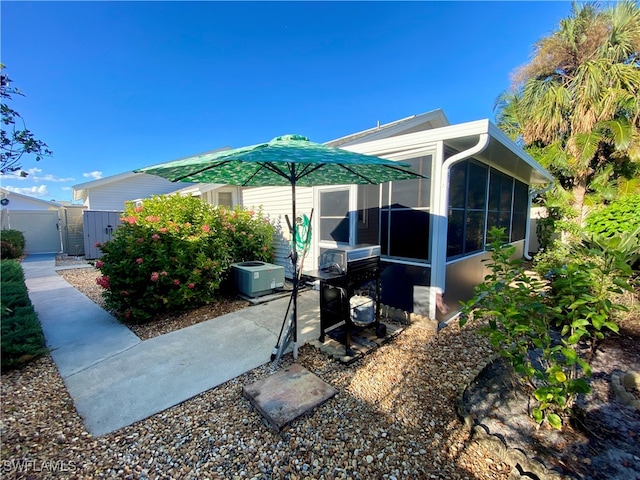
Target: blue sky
point(114, 86)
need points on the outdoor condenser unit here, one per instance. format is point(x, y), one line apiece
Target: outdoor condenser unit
point(255, 278)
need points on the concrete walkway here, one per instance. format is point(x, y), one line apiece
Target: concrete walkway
point(115, 379)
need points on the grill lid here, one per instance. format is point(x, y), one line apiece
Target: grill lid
point(338, 259)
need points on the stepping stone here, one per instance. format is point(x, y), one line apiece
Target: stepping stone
point(287, 395)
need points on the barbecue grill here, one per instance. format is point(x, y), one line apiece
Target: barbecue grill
point(349, 292)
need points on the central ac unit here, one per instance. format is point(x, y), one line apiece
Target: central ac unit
point(255, 278)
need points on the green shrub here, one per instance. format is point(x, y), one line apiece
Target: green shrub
point(524, 315)
point(12, 244)
point(22, 338)
point(173, 252)
point(621, 216)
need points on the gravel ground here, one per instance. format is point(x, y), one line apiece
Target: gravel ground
point(394, 417)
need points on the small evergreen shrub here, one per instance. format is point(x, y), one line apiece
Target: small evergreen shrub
point(22, 339)
point(12, 244)
point(174, 252)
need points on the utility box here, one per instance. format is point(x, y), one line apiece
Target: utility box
point(255, 278)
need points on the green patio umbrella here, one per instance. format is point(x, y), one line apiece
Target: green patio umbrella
point(289, 160)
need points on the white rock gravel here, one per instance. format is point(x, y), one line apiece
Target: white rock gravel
point(394, 418)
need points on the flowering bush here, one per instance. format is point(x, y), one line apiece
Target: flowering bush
point(173, 252)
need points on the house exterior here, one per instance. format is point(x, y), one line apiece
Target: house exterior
point(432, 232)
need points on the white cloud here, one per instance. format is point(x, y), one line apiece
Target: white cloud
point(34, 176)
point(96, 174)
point(39, 191)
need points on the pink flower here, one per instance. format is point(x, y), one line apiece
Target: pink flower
point(264, 248)
point(98, 245)
point(191, 285)
point(140, 240)
point(155, 236)
point(163, 273)
point(103, 281)
point(176, 281)
point(138, 209)
point(155, 276)
point(252, 213)
point(99, 264)
point(139, 261)
point(164, 230)
point(127, 314)
point(130, 220)
point(206, 228)
point(124, 293)
point(152, 218)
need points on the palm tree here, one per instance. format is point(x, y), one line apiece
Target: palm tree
point(576, 106)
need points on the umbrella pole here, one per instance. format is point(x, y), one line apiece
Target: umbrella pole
point(294, 259)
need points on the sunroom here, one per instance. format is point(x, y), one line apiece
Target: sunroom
point(433, 232)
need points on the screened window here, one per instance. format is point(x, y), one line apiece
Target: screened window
point(520, 203)
point(334, 216)
point(480, 198)
point(396, 215)
point(467, 208)
point(500, 201)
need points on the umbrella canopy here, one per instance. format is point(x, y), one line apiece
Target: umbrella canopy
point(285, 160)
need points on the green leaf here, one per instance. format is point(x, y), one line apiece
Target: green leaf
point(554, 420)
point(537, 415)
point(579, 385)
point(612, 326)
point(560, 376)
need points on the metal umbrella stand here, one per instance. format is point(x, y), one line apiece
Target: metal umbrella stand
point(287, 160)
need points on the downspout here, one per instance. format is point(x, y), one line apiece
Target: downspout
point(440, 216)
point(527, 231)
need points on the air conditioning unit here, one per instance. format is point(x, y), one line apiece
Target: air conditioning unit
point(255, 278)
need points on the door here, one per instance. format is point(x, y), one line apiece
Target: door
point(336, 215)
point(98, 227)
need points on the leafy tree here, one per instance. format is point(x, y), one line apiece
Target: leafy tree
point(16, 140)
point(576, 106)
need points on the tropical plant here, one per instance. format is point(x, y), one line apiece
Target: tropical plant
point(539, 326)
point(16, 140)
point(174, 252)
point(619, 217)
point(576, 106)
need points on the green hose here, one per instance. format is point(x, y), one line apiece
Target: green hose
point(302, 235)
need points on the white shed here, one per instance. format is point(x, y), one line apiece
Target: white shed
point(38, 220)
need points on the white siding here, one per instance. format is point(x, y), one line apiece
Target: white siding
point(276, 202)
point(113, 196)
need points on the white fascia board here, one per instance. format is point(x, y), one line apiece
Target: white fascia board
point(402, 146)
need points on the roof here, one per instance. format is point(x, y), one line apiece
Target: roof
point(424, 121)
point(7, 193)
point(500, 151)
point(80, 190)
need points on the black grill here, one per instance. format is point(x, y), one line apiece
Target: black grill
point(356, 273)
